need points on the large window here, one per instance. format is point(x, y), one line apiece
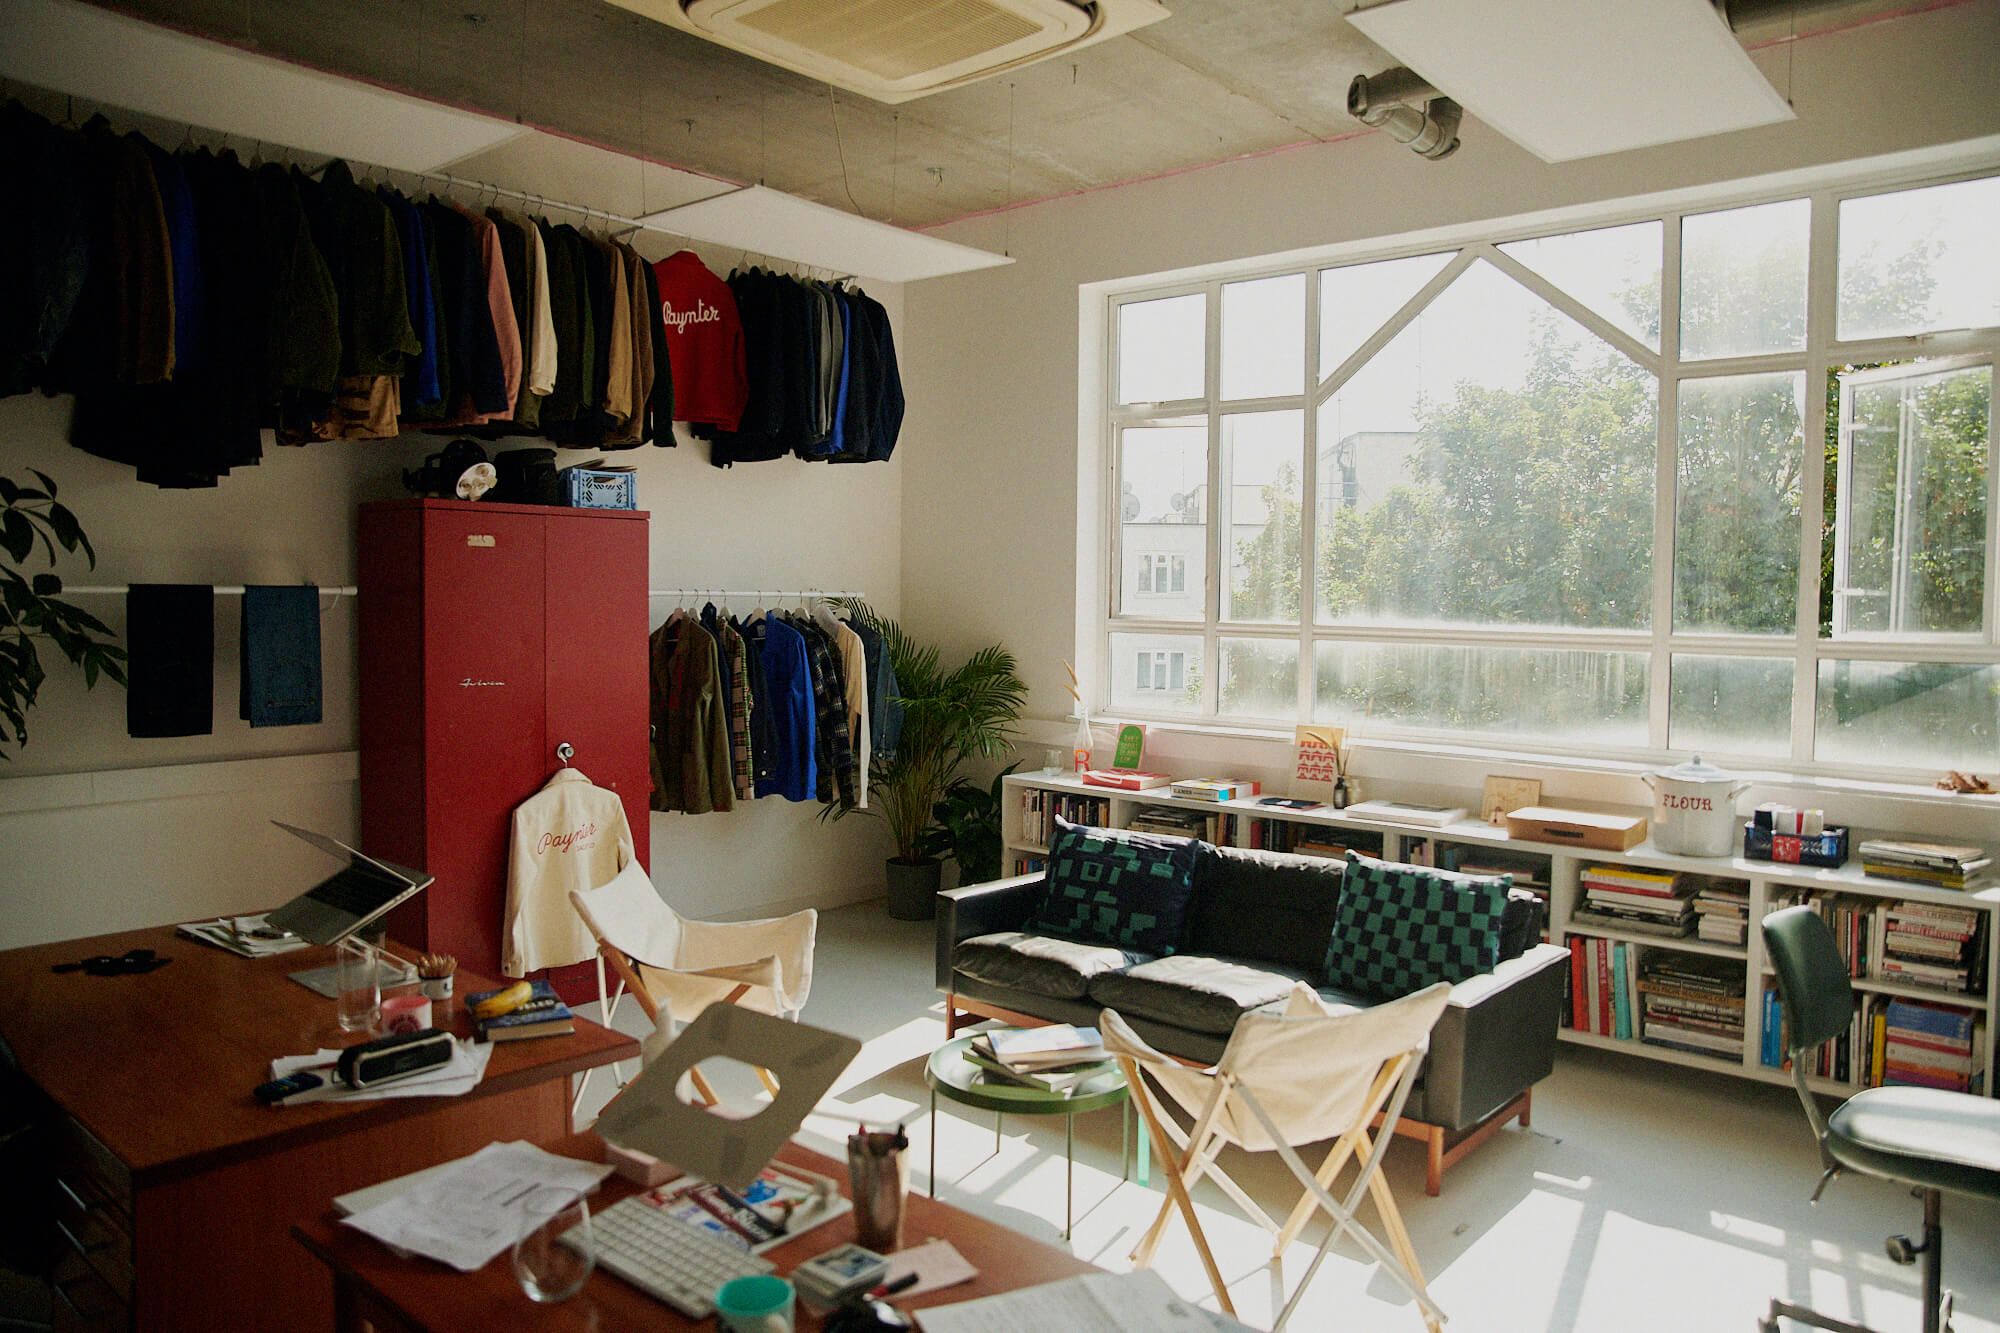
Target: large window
point(1716, 479)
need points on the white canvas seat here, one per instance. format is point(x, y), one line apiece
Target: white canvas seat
point(1310, 1073)
point(676, 967)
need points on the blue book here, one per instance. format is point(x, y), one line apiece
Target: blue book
point(1621, 1007)
point(544, 1015)
point(1772, 1053)
point(1950, 1024)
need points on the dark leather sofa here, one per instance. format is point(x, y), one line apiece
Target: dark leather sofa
point(1257, 923)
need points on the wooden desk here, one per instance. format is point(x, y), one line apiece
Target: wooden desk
point(173, 1187)
point(375, 1289)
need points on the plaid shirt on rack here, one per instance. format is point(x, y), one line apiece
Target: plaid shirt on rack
point(737, 672)
point(836, 748)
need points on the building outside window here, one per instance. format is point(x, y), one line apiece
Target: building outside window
point(1718, 478)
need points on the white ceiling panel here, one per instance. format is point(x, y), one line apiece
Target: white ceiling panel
point(104, 57)
point(1577, 78)
point(770, 222)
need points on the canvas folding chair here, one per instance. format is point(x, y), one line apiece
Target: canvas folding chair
point(1287, 1079)
point(676, 967)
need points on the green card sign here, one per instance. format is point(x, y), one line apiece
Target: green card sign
point(1131, 746)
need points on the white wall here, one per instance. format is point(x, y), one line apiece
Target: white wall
point(101, 832)
point(992, 490)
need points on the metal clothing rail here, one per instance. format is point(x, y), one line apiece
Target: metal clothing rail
point(219, 589)
point(782, 594)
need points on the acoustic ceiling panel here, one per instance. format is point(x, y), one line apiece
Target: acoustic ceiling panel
point(1567, 79)
point(770, 222)
point(104, 57)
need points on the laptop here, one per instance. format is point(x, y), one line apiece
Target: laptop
point(357, 895)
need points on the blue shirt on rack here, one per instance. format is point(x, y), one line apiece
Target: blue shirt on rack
point(789, 697)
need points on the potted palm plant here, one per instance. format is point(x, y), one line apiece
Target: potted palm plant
point(949, 718)
point(30, 610)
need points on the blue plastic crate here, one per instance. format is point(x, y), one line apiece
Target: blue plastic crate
point(585, 489)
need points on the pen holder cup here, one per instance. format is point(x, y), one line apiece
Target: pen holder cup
point(878, 1169)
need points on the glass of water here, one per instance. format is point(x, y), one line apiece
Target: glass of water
point(555, 1258)
point(358, 984)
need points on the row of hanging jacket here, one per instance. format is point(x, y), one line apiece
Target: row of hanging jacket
point(820, 376)
point(190, 302)
point(773, 704)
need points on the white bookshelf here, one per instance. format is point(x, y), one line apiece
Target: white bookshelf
point(1766, 882)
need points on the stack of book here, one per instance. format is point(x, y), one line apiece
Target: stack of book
point(1927, 1045)
point(1054, 1058)
point(1040, 810)
point(1832, 1060)
point(1125, 779)
point(1941, 865)
point(1855, 928)
point(1215, 789)
point(1204, 824)
point(544, 1015)
point(1646, 902)
point(1691, 1002)
point(1931, 944)
point(1721, 909)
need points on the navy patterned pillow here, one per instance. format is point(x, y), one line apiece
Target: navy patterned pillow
point(1113, 886)
point(1401, 928)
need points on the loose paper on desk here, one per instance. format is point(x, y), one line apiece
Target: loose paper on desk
point(459, 1075)
point(936, 1263)
point(484, 1203)
point(1094, 1303)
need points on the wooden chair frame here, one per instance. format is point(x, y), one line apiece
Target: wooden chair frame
point(1201, 1144)
point(630, 980)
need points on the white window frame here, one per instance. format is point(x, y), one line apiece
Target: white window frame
point(1822, 353)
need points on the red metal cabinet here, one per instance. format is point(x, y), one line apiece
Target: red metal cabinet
point(491, 634)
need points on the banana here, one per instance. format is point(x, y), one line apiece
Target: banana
point(506, 1002)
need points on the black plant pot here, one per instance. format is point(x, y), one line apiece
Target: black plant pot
point(913, 887)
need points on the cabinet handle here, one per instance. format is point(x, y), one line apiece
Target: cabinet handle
point(74, 1197)
point(76, 1244)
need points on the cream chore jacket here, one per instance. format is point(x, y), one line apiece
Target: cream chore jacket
point(569, 835)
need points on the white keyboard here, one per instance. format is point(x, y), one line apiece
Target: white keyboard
point(667, 1258)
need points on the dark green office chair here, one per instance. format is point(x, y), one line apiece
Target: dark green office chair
point(1930, 1140)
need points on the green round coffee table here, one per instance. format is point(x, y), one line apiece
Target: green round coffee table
point(956, 1079)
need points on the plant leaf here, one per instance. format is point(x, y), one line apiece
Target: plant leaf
point(47, 585)
point(48, 482)
point(17, 535)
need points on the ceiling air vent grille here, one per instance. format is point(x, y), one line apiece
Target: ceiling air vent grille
point(894, 50)
point(893, 39)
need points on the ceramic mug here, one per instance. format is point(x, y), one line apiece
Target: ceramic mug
point(761, 1304)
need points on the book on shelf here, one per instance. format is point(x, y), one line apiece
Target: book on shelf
point(1407, 812)
point(1215, 789)
point(1691, 1002)
point(1596, 919)
point(1125, 779)
point(1041, 808)
point(1940, 865)
point(1722, 910)
point(1632, 879)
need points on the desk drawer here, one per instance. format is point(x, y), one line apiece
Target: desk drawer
point(84, 1301)
point(96, 1230)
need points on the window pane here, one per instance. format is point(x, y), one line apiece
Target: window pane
point(1920, 260)
point(1911, 523)
point(1731, 705)
point(1493, 464)
point(1264, 337)
point(1615, 271)
point(1356, 300)
point(1736, 537)
point(1146, 667)
point(1743, 280)
point(1260, 678)
point(1573, 697)
point(1928, 715)
point(1162, 511)
point(1162, 349)
point(1262, 453)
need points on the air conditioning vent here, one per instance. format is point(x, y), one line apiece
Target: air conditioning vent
point(894, 50)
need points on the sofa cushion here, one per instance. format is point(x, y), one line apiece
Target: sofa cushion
point(1039, 964)
point(1268, 905)
point(1192, 991)
point(1522, 923)
point(1401, 928)
point(1116, 887)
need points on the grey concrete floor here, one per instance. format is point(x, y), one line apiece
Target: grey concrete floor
point(1646, 1197)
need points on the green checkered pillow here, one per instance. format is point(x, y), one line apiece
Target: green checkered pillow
point(1401, 928)
point(1116, 887)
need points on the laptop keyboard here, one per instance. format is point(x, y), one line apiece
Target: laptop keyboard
point(350, 891)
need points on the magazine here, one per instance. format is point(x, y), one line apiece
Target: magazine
point(780, 1203)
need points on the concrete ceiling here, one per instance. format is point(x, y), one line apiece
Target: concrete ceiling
point(1219, 79)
